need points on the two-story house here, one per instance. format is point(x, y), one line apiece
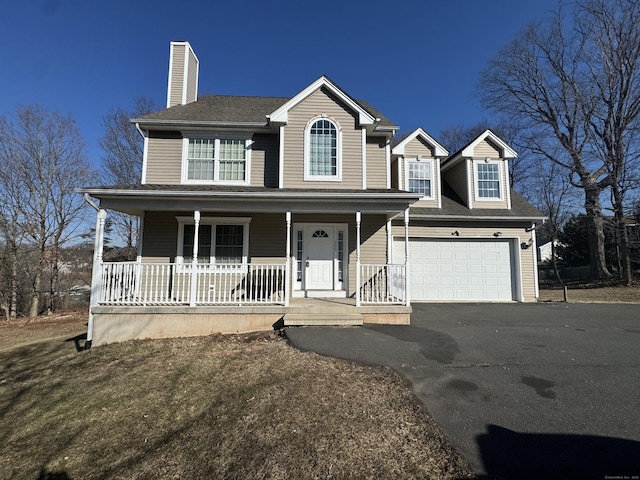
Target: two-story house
point(263, 211)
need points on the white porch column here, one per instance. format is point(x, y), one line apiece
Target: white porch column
point(140, 235)
point(287, 275)
point(534, 246)
point(194, 259)
point(407, 286)
point(96, 272)
point(358, 293)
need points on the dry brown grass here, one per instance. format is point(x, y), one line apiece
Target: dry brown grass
point(585, 294)
point(210, 407)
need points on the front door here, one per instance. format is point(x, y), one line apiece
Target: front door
point(319, 264)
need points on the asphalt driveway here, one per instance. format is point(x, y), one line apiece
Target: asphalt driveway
point(522, 390)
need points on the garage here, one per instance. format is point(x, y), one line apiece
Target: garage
point(459, 269)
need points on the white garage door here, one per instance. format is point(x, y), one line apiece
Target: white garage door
point(459, 270)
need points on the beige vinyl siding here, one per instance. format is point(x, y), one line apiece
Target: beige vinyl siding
point(267, 238)
point(376, 163)
point(160, 237)
point(177, 75)
point(486, 149)
point(264, 161)
point(456, 177)
point(164, 158)
point(491, 203)
point(192, 80)
point(476, 230)
point(418, 147)
point(322, 102)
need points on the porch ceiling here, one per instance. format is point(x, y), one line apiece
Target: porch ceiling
point(136, 199)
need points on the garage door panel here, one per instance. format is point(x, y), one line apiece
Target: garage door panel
point(459, 270)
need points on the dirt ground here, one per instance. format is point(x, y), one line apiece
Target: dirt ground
point(24, 331)
point(584, 294)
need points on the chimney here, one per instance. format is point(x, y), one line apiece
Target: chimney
point(183, 74)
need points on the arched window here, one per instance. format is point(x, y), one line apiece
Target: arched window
point(322, 150)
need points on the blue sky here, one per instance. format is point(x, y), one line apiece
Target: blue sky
point(416, 61)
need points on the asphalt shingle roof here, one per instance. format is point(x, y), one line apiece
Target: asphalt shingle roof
point(235, 109)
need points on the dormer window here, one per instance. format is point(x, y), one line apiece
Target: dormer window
point(420, 177)
point(216, 160)
point(488, 179)
point(322, 155)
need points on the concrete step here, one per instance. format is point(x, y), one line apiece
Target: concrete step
point(322, 319)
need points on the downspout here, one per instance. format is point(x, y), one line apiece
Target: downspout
point(98, 247)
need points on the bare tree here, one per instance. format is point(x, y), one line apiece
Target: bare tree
point(44, 152)
point(611, 32)
point(122, 161)
point(541, 78)
point(551, 191)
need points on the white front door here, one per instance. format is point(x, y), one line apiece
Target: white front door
point(319, 264)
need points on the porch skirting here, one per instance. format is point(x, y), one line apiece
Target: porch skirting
point(112, 324)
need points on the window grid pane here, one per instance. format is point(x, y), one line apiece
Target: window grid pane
point(229, 243)
point(420, 178)
point(204, 243)
point(299, 256)
point(323, 150)
point(488, 180)
point(200, 159)
point(232, 160)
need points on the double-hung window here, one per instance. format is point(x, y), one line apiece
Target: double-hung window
point(221, 241)
point(488, 180)
point(420, 177)
point(322, 150)
point(217, 160)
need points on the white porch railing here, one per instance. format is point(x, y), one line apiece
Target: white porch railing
point(383, 284)
point(134, 283)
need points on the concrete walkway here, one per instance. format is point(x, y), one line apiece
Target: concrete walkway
point(522, 390)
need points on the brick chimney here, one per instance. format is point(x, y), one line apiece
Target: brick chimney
point(183, 74)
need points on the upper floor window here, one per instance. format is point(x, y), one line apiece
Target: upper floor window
point(420, 177)
point(322, 150)
point(223, 160)
point(488, 180)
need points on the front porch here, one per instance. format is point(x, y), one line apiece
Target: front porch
point(117, 323)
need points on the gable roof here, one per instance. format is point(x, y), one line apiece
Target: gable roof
point(281, 114)
point(398, 148)
point(250, 111)
point(467, 150)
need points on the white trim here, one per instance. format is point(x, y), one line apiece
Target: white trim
point(307, 151)
point(248, 146)
point(430, 162)
point(501, 179)
point(364, 158)
point(171, 45)
point(507, 151)
point(534, 247)
point(281, 114)
point(214, 221)
point(507, 183)
point(439, 177)
point(281, 159)
point(439, 150)
point(145, 159)
point(470, 193)
point(358, 240)
point(387, 153)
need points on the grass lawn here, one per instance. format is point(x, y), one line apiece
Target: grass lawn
point(585, 294)
point(245, 406)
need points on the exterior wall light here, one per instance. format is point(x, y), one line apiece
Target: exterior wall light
point(497, 234)
point(456, 233)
